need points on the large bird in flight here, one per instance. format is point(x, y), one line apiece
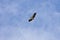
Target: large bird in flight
point(32, 17)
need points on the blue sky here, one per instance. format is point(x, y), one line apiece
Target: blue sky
point(14, 15)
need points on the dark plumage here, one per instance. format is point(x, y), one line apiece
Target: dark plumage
point(33, 16)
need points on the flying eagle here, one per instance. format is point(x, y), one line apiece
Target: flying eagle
point(32, 17)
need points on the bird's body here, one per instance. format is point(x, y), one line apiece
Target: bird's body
point(32, 17)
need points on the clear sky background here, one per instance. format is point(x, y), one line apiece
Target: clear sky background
point(14, 15)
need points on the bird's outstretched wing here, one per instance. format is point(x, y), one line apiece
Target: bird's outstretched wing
point(32, 17)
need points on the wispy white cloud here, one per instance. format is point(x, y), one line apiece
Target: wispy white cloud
point(18, 33)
